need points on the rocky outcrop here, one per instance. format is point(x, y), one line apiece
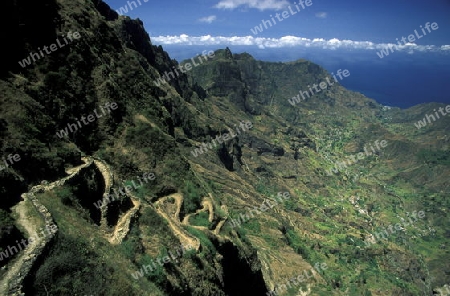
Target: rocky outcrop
point(442, 291)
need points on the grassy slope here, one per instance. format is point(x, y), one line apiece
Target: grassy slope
point(397, 181)
point(319, 224)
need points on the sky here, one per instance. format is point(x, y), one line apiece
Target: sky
point(350, 34)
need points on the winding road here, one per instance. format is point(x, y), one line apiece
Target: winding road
point(19, 267)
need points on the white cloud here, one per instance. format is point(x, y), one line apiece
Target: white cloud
point(258, 4)
point(321, 15)
point(208, 19)
point(293, 41)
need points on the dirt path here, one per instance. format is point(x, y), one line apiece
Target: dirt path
point(108, 180)
point(206, 206)
point(24, 216)
point(11, 283)
point(174, 222)
point(107, 175)
point(219, 227)
point(30, 229)
point(123, 225)
point(178, 203)
point(71, 171)
point(144, 119)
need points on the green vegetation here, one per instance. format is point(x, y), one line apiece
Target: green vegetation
point(132, 247)
point(152, 225)
point(434, 157)
point(192, 198)
point(253, 226)
point(297, 244)
point(142, 191)
point(154, 130)
point(208, 246)
point(66, 195)
point(8, 235)
point(73, 268)
point(150, 218)
point(200, 219)
point(264, 189)
point(5, 218)
point(156, 275)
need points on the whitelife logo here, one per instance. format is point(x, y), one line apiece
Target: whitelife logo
point(411, 38)
point(50, 231)
point(90, 118)
point(124, 190)
point(222, 138)
point(323, 85)
point(423, 123)
point(258, 211)
point(53, 47)
point(183, 68)
point(397, 226)
point(12, 159)
point(124, 9)
point(361, 155)
point(284, 14)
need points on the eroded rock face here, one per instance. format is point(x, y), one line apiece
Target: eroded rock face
point(116, 61)
point(299, 140)
point(226, 158)
point(230, 155)
point(240, 278)
point(442, 291)
point(89, 187)
point(117, 208)
point(264, 148)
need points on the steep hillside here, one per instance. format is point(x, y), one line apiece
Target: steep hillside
point(334, 213)
point(212, 182)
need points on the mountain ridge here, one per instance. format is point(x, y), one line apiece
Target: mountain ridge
point(328, 220)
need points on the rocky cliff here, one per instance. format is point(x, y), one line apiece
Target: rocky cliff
point(222, 141)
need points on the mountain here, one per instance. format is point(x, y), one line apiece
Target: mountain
point(220, 175)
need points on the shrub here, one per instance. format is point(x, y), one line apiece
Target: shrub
point(5, 218)
point(191, 197)
point(434, 157)
point(156, 275)
point(200, 219)
point(132, 245)
point(65, 194)
point(296, 243)
point(73, 268)
point(204, 240)
point(150, 218)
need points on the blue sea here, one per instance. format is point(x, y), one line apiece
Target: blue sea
point(399, 80)
point(400, 84)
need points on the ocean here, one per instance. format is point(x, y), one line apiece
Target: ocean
point(398, 80)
